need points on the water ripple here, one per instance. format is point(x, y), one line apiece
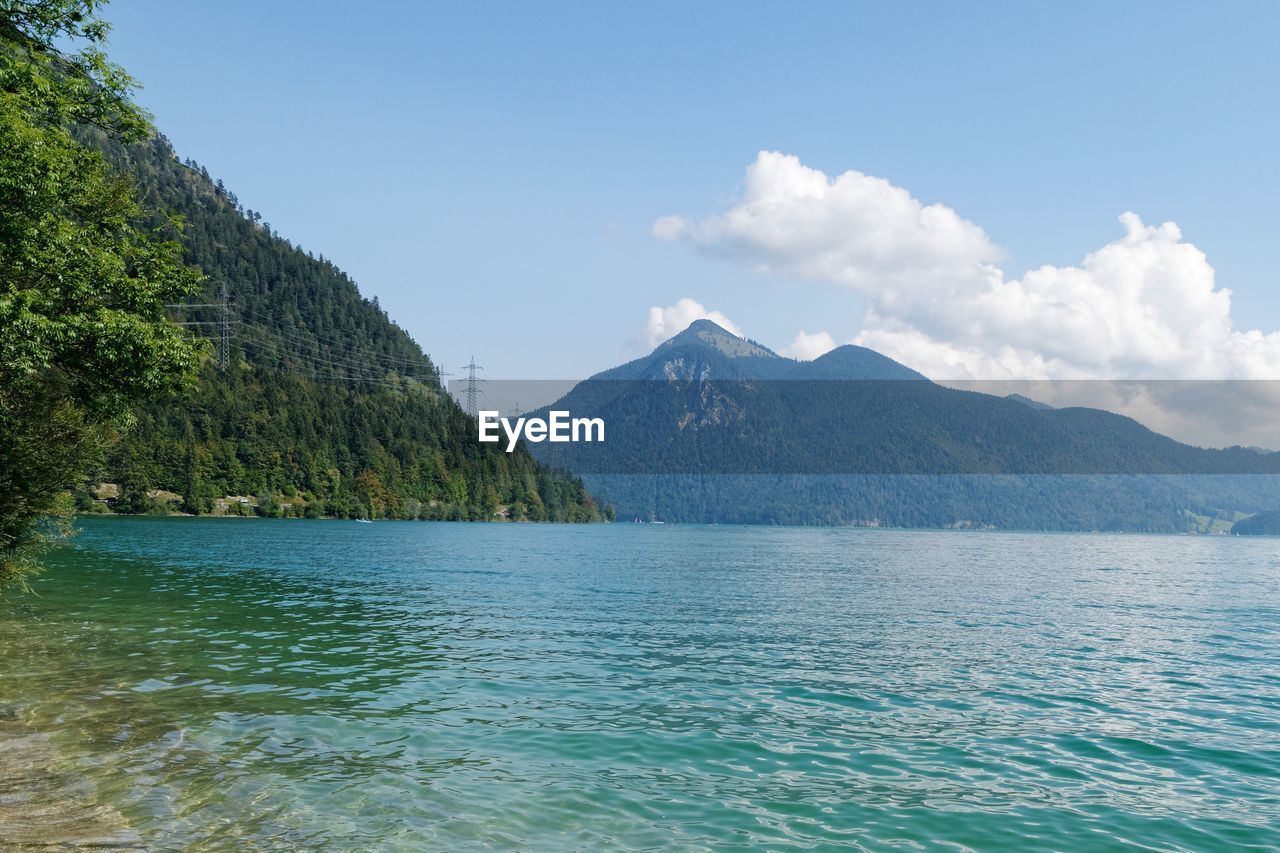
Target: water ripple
point(285, 685)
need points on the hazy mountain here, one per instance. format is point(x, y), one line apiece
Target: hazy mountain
point(712, 427)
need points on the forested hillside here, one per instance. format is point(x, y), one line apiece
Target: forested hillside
point(319, 404)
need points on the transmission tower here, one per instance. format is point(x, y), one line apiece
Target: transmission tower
point(224, 328)
point(440, 373)
point(471, 387)
point(202, 327)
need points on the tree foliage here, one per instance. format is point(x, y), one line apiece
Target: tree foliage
point(83, 335)
point(325, 408)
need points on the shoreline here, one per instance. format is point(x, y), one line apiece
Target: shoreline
point(708, 524)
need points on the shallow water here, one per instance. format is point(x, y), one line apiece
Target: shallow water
point(292, 684)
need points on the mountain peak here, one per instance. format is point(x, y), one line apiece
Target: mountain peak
point(855, 362)
point(706, 350)
point(706, 325)
point(706, 332)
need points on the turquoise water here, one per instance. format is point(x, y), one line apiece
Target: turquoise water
point(401, 686)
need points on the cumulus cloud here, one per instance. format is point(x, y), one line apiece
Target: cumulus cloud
point(1143, 306)
point(854, 228)
point(674, 319)
point(807, 347)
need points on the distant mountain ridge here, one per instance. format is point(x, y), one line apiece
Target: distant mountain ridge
point(708, 406)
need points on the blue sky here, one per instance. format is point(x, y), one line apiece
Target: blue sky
point(493, 173)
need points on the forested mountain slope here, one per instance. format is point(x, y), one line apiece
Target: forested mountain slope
point(713, 428)
point(320, 404)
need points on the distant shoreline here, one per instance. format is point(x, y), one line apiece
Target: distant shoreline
point(705, 524)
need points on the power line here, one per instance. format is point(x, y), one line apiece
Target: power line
point(364, 357)
point(287, 349)
point(325, 367)
point(306, 335)
point(305, 349)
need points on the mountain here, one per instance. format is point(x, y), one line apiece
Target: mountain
point(706, 350)
point(712, 427)
point(318, 405)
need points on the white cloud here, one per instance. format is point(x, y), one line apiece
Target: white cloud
point(853, 228)
point(1143, 306)
point(807, 347)
point(674, 319)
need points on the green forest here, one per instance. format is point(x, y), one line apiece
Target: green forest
point(316, 405)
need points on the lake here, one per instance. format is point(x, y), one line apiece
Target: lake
point(265, 684)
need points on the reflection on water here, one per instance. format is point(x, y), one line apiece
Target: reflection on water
point(313, 684)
